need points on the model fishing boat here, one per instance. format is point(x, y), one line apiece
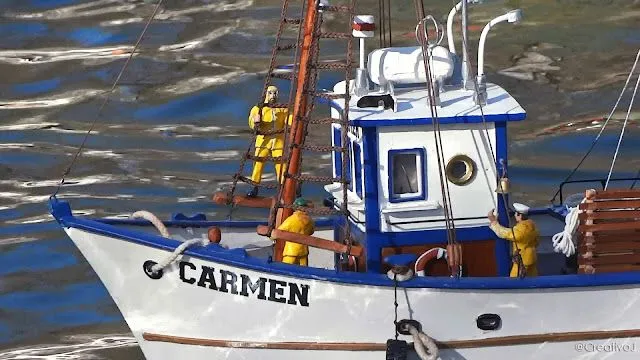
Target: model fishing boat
point(404, 261)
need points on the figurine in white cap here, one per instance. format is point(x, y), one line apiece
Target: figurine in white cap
point(520, 209)
point(524, 235)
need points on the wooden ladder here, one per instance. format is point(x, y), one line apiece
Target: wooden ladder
point(300, 105)
point(306, 96)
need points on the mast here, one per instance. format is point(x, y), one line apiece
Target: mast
point(297, 127)
point(296, 133)
point(300, 105)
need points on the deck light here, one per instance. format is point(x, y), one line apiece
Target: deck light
point(514, 17)
point(452, 14)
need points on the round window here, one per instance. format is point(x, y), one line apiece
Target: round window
point(461, 170)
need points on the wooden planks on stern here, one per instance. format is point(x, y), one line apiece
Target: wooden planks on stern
point(609, 232)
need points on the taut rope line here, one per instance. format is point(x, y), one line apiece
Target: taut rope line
point(624, 126)
point(444, 184)
point(518, 257)
point(593, 144)
point(115, 83)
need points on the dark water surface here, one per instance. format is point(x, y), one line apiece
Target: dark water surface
point(175, 127)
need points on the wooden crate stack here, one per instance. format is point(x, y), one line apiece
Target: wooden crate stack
point(609, 232)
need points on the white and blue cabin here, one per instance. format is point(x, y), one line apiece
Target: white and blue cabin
point(395, 198)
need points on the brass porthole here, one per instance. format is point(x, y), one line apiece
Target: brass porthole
point(461, 170)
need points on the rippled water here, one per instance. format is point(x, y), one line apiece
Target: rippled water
point(174, 129)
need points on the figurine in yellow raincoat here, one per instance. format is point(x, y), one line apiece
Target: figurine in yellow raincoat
point(268, 145)
point(300, 223)
point(526, 238)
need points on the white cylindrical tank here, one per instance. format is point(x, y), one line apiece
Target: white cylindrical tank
point(404, 65)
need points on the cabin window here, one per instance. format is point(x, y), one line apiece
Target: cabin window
point(460, 170)
point(406, 175)
point(337, 156)
point(357, 169)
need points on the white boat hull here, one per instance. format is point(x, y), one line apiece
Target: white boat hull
point(196, 314)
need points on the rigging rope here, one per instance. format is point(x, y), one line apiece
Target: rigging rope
point(635, 180)
point(309, 91)
point(383, 23)
point(115, 83)
point(624, 126)
point(389, 20)
point(261, 103)
point(286, 151)
point(624, 88)
point(517, 256)
point(384, 13)
point(444, 184)
point(345, 113)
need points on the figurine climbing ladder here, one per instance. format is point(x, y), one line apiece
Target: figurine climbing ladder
point(302, 99)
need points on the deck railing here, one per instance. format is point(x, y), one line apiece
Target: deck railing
point(601, 181)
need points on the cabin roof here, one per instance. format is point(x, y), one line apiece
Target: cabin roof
point(457, 107)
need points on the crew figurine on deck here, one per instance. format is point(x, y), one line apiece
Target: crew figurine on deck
point(524, 237)
point(300, 223)
point(272, 120)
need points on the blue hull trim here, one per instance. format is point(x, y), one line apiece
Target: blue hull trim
point(468, 119)
point(238, 257)
point(323, 222)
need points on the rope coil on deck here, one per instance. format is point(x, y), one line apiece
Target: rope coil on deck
point(565, 241)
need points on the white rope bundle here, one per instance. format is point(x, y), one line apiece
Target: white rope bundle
point(152, 219)
point(163, 231)
point(423, 344)
point(178, 251)
point(565, 241)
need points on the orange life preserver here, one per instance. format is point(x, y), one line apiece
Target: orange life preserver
point(431, 254)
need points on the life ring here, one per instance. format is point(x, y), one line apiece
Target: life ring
point(431, 254)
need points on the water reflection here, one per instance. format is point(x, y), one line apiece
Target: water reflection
point(176, 126)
